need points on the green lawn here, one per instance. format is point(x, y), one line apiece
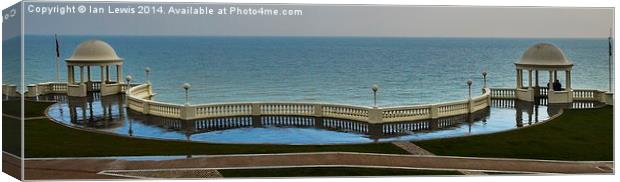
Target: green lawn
point(584, 134)
point(11, 133)
point(329, 171)
point(11, 128)
point(32, 108)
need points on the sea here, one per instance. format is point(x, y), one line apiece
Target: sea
point(319, 69)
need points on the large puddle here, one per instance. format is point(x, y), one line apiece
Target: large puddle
point(109, 114)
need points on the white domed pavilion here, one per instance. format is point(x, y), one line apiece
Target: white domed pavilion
point(93, 53)
point(544, 57)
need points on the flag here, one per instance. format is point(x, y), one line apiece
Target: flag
point(609, 46)
point(57, 46)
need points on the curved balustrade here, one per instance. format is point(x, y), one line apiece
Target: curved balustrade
point(407, 113)
point(46, 88)
point(357, 113)
point(578, 94)
point(452, 108)
point(287, 109)
point(138, 99)
point(164, 109)
point(503, 93)
point(223, 110)
point(588, 95)
point(34, 90)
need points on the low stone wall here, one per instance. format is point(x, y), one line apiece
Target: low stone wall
point(139, 99)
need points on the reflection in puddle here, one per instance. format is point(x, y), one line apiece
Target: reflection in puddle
point(108, 114)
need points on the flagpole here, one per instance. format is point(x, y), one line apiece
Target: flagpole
point(57, 70)
point(610, 60)
point(57, 58)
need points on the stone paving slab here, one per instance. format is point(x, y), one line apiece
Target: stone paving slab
point(412, 148)
point(11, 165)
point(167, 173)
point(417, 150)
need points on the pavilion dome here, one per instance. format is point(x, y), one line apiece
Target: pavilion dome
point(94, 51)
point(544, 55)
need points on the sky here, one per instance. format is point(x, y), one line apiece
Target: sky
point(335, 20)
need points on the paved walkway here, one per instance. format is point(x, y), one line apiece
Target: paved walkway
point(417, 150)
point(89, 168)
point(11, 165)
point(412, 148)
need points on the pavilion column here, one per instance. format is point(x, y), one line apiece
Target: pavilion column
point(72, 75)
point(550, 85)
point(529, 78)
point(568, 81)
point(118, 73)
point(69, 74)
point(107, 73)
point(88, 73)
point(81, 74)
point(102, 74)
point(536, 76)
point(521, 78)
point(518, 78)
point(555, 75)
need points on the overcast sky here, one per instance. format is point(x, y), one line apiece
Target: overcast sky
point(339, 20)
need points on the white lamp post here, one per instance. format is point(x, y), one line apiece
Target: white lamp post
point(375, 88)
point(469, 82)
point(147, 70)
point(186, 86)
point(128, 79)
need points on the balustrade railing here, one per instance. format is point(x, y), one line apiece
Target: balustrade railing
point(62, 88)
point(165, 109)
point(587, 95)
point(543, 91)
point(452, 108)
point(357, 113)
point(578, 94)
point(138, 99)
point(503, 93)
point(407, 113)
point(94, 86)
point(222, 110)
